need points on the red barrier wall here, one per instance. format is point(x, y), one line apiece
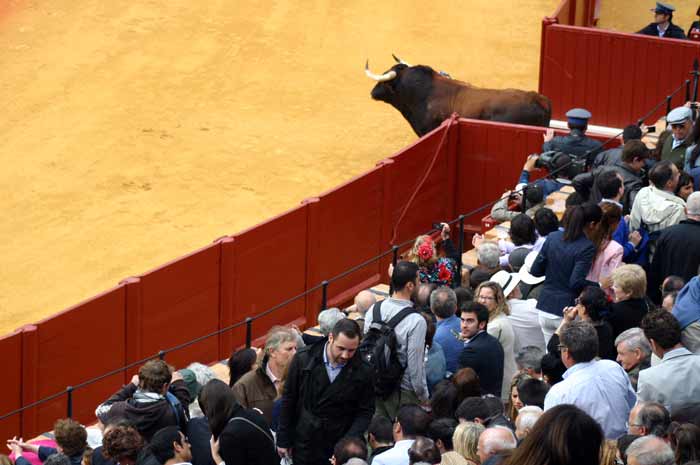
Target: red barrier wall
point(269, 267)
point(11, 398)
point(335, 244)
point(178, 302)
point(80, 343)
point(243, 275)
point(617, 76)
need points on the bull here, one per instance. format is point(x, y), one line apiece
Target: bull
point(426, 98)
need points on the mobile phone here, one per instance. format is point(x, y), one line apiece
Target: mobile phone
point(651, 129)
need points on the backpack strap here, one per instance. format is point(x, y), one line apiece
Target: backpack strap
point(376, 314)
point(396, 319)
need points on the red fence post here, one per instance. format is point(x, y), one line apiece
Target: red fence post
point(546, 22)
point(30, 380)
point(227, 296)
point(313, 238)
point(134, 312)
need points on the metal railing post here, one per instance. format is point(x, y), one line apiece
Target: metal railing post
point(458, 281)
point(161, 355)
point(687, 90)
point(248, 332)
point(668, 104)
point(69, 402)
point(324, 295)
point(394, 261)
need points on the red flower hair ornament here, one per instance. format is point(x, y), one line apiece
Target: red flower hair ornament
point(425, 250)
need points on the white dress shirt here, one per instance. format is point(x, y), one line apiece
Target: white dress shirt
point(602, 389)
point(397, 455)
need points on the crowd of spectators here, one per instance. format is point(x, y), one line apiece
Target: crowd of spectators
point(570, 342)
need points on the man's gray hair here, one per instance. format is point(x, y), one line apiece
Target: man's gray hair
point(650, 450)
point(356, 461)
point(580, 339)
point(530, 357)
point(654, 418)
point(58, 459)
point(278, 335)
point(488, 254)
point(494, 444)
point(528, 416)
point(634, 338)
point(328, 318)
point(693, 204)
point(443, 302)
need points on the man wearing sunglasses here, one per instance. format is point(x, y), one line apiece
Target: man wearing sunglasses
point(680, 121)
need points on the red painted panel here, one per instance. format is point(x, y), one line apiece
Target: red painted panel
point(432, 199)
point(78, 344)
point(344, 231)
point(179, 302)
point(11, 391)
point(619, 77)
point(270, 268)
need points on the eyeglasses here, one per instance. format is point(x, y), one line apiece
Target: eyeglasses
point(562, 347)
point(486, 297)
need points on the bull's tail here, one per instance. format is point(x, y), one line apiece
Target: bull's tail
point(546, 105)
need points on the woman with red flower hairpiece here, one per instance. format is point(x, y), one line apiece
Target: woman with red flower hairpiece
point(434, 269)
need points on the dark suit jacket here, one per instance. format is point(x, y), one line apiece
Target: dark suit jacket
point(677, 253)
point(565, 265)
point(316, 413)
point(484, 355)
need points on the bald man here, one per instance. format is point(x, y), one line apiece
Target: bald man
point(364, 301)
point(650, 449)
point(495, 440)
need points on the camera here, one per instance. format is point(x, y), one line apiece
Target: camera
point(651, 129)
point(561, 163)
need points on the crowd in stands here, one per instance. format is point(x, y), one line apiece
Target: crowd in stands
point(570, 342)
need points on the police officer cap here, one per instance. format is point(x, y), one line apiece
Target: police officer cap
point(679, 115)
point(578, 116)
point(663, 8)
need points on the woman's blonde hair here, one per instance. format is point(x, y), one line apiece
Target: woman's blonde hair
point(413, 254)
point(632, 279)
point(512, 412)
point(608, 452)
point(466, 438)
point(501, 303)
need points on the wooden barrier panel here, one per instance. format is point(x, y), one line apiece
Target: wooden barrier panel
point(619, 77)
point(494, 153)
point(11, 389)
point(416, 194)
point(78, 344)
point(345, 228)
point(267, 265)
point(177, 302)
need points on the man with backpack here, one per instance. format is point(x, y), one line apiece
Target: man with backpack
point(394, 344)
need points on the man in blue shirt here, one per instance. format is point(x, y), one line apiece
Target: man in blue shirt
point(443, 304)
point(599, 388)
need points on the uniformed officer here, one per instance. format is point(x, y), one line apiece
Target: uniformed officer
point(681, 122)
point(663, 25)
point(576, 143)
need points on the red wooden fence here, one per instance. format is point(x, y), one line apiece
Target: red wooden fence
point(617, 76)
point(245, 274)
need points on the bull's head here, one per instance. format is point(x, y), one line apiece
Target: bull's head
point(387, 82)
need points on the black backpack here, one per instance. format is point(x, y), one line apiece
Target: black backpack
point(378, 349)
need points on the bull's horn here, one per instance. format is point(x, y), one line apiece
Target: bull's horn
point(379, 77)
point(400, 61)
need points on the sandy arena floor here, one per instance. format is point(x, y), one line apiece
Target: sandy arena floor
point(135, 131)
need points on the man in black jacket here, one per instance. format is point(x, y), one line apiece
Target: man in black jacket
point(154, 399)
point(482, 352)
point(328, 394)
point(677, 249)
point(663, 25)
